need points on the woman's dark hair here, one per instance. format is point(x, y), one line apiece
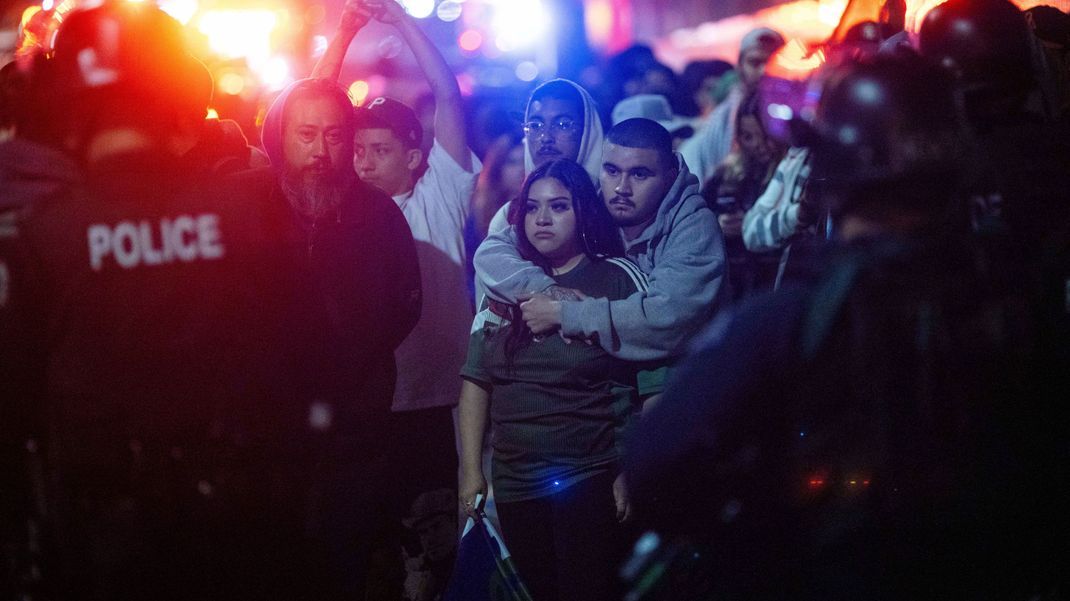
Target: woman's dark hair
point(599, 235)
point(751, 106)
point(694, 75)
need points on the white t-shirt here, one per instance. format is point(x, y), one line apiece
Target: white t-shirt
point(430, 359)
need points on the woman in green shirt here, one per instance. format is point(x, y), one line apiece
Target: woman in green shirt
point(560, 408)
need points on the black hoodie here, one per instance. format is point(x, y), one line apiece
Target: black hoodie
point(364, 259)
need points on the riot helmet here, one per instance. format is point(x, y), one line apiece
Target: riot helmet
point(985, 45)
point(887, 134)
point(120, 61)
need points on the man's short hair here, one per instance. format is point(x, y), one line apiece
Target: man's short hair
point(393, 115)
point(644, 133)
point(322, 88)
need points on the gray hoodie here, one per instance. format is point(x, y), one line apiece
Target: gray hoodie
point(682, 253)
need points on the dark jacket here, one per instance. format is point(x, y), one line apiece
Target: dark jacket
point(888, 431)
point(156, 340)
point(29, 170)
point(364, 260)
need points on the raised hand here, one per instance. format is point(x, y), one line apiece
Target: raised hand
point(355, 15)
point(386, 11)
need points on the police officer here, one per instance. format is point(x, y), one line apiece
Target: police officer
point(879, 433)
point(1020, 188)
point(1023, 179)
point(154, 341)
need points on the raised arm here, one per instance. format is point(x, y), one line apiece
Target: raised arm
point(449, 108)
point(354, 17)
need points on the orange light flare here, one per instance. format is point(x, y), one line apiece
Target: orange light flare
point(795, 62)
point(251, 35)
point(358, 91)
point(916, 11)
point(809, 21)
point(182, 10)
point(239, 33)
point(35, 31)
point(28, 14)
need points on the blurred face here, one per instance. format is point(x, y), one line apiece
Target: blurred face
point(553, 130)
point(753, 141)
point(550, 222)
point(315, 143)
point(752, 66)
point(513, 171)
point(382, 160)
point(656, 81)
point(704, 94)
point(633, 185)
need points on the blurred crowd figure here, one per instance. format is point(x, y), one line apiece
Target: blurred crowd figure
point(734, 332)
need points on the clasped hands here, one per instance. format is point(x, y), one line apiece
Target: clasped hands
point(542, 311)
point(357, 13)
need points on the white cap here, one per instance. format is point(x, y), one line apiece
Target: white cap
point(654, 107)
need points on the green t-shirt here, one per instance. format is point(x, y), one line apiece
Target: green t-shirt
point(560, 410)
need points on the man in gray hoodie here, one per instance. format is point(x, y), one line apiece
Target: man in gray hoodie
point(669, 232)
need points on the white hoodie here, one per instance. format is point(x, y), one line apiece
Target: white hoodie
point(590, 154)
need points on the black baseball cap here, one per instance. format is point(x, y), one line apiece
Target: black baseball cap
point(387, 113)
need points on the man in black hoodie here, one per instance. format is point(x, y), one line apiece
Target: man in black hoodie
point(364, 261)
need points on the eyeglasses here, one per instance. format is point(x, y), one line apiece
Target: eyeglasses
point(563, 125)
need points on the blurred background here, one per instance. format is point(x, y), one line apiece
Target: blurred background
point(499, 49)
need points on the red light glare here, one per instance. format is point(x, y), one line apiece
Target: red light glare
point(470, 40)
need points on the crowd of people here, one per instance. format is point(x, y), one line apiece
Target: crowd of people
point(691, 343)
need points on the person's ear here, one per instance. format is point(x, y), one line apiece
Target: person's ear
point(673, 169)
point(413, 157)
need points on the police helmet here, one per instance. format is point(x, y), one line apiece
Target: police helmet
point(984, 43)
point(865, 32)
point(886, 123)
point(123, 48)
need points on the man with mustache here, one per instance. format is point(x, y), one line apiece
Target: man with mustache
point(668, 231)
point(363, 258)
point(561, 122)
point(433, 189)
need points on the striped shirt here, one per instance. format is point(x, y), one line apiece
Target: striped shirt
point(774, 218)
